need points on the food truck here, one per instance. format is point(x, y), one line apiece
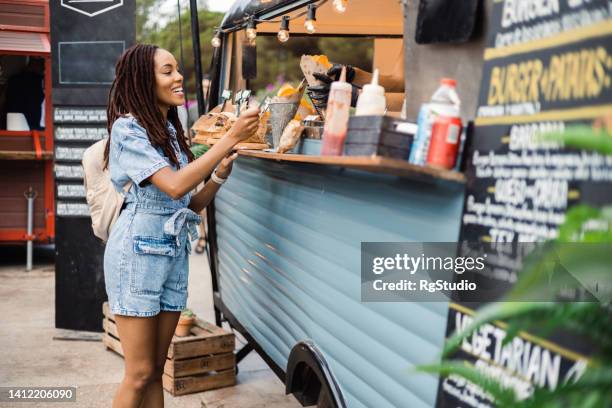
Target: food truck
point(286, 231)
point(26, 131)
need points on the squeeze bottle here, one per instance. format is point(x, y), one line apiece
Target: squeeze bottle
point(336, 119)
point(372, 101)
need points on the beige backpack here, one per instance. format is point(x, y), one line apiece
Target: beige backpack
point(104, 201)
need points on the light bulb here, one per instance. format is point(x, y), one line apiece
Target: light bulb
point(283, 33)
point(283, 36)
point(216, 42)
point(340, 5)
point(251, 33)
point(310, 26)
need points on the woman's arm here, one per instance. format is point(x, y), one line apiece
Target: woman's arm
point(178, 183)
point(202, 198)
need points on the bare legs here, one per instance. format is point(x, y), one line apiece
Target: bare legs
point(145, 342)
point(166, 324)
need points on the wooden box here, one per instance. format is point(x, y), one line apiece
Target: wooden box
point(202, 361)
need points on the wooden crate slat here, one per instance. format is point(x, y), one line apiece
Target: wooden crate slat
point(106, 311)
point(202, 361)
point(210, 327)
point(197, 383)
point(110, 327)
point(199, 365)
point(202, 329)
point(201, 347)
point(112, 343)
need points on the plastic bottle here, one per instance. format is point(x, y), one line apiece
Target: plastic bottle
point(336, 119)
point(444, 102)
point(372, 99)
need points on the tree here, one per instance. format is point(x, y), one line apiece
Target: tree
point(173, 35)
point(273, 58)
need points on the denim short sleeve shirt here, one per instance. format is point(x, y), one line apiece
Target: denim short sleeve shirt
point(132, 157)
point(145, 261)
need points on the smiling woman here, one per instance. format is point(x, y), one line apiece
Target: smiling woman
point(169, 81)
point(146, 257)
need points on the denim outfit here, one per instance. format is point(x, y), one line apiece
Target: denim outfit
point(146, 258)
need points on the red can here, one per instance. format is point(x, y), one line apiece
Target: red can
point(444, 142)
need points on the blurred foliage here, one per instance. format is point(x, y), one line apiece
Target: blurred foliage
point(276, 62)
point(148, 31)
point(590, 319)
point(583, 137)
point(198, 149)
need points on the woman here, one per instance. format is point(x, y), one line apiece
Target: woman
point(145, 262)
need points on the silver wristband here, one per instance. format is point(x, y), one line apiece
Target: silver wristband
point(217, 179)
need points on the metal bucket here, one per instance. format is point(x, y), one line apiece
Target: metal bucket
point(281, 114)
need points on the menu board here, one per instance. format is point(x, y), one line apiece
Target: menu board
point(547, 65)
point(87, 39)
point(76, 128)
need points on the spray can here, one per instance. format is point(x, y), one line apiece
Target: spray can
point(444, 144)
point(444, 102)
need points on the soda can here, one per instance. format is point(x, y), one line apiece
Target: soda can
point(444, 142)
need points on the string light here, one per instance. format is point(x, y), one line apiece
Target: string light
point(216, 41)
point(310, 23)
point(283, 33)
point(340, 5)
point(251, 31)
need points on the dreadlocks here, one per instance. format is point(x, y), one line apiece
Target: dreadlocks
point(133, 91)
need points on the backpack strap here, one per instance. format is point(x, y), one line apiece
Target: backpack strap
point(126, 188)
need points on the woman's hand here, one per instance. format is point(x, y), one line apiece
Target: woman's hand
point(246, 125)
point(225, 167)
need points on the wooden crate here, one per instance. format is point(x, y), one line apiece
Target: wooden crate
point(202, 361)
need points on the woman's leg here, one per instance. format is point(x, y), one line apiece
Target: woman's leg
point(138, 340)
point(166, 324)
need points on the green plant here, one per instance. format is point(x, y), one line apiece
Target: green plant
point(187, 313)
point(198, 150)
point(591, 319)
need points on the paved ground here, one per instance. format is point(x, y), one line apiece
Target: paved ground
point(31, 357)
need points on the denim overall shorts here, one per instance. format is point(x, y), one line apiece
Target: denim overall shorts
point(146, 266)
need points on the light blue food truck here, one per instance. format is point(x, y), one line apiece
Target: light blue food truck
point(286, 230)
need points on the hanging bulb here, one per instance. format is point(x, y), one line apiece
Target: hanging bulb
point(251, 31)
point(283, 33)
point(340, 5)
point(283, 36)
point(310, 24)
point(216, 41)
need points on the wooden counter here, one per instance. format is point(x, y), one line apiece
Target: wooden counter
point(373, 164)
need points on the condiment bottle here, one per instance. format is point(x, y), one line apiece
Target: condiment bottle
point(444, 102)
point(372, 100)
point(336, 119)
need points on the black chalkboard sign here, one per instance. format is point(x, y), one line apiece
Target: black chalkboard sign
point(87, 38)
point(88, 62)
point(548, 65)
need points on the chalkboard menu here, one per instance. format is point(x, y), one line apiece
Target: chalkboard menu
point(547, 65)
point(87, 40)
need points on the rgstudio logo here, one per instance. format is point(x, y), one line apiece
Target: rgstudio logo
point(92, 8)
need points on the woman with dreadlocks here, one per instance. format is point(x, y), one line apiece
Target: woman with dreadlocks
point(145, 262)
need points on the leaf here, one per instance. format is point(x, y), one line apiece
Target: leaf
point(582, 137)
point(198, 150)
point(594, 389)
point(493, 312)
